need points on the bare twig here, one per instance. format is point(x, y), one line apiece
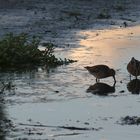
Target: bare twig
point(63, 127)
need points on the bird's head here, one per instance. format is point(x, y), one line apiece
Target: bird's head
point(87, 67)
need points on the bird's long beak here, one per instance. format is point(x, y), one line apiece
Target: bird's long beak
point(114, 79)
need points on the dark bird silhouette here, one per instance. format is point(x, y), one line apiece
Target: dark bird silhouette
point(101, 71)
point(125, 24)
point(134, 86)
point(133, 67)
point(101, 89)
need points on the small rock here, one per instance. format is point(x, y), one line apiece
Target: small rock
point(122, 91)
point(86, 123)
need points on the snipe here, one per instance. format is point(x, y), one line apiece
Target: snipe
point(101, 71)
point(133, 67)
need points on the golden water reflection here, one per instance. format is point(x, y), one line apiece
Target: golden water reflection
point(114, 47)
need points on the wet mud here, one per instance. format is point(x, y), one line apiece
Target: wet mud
point(57, 98)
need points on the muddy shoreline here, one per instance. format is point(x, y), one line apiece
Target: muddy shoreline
point(55, 19)
point(59, 98)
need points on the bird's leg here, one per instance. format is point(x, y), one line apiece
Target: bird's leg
point(130, 77)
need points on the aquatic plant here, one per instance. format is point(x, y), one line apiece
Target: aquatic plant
point(130, 120)
point(22, 51)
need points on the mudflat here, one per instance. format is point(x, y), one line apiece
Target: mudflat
point(55, 104)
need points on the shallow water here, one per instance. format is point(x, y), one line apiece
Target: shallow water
point(59, 97)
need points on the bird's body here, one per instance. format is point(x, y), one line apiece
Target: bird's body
point(101, 71)
point(133, 67)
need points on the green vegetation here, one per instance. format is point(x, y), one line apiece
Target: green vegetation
point(21, 51)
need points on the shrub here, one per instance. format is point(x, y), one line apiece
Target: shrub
point(21, 51)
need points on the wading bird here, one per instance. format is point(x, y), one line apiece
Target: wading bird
point(133, 67)
point(101, 71)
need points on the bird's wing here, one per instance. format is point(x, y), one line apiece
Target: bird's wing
point(98, 68)
point(102, 68)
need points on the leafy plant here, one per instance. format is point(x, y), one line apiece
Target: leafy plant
point(21, 51)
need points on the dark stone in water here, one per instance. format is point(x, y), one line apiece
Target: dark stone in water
point(122, 91)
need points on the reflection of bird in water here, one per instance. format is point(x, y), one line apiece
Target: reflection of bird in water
point(101, 71)
point(101, 89)
point(133, 67)
point(134, 86)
